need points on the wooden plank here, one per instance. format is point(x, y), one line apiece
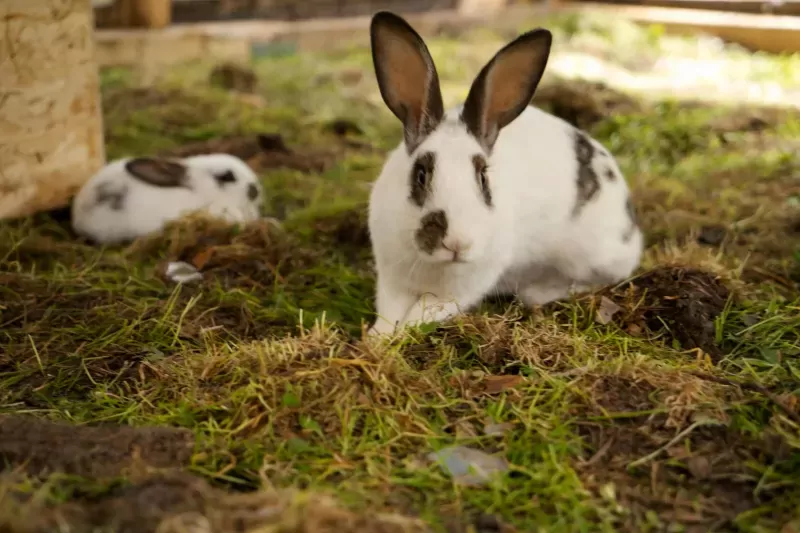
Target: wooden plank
point(768, 33)
point(237, 40)
point(791, 7)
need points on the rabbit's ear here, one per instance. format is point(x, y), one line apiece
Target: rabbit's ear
point(505, 86)
point(406, 76)
point(158, 172)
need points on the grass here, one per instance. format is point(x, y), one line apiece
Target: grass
point(679, 413)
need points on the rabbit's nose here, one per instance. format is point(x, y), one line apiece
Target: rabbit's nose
point(456, 245)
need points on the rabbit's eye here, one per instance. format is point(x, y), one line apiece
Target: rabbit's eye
point(482, 177)
point(422, 176)
point(484, 181)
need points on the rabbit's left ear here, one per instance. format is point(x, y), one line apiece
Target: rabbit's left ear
point(505, 86)
point(158, 172)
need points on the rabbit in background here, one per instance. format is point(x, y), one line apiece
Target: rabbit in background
point(133, 197)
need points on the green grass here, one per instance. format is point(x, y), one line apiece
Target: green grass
point(661, 420)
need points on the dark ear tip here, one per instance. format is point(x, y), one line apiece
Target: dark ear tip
point(388, 19)
point(384, 17)
point(538, 34)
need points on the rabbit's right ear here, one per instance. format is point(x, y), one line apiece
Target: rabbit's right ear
point(406, 75)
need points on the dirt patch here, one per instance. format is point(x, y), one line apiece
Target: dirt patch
point(700, 480)
point(90, 451)
point(679, 303)
point(583, 103)
point(261, 152)
point(233, 77)
point(180, 503)
point(248, 257)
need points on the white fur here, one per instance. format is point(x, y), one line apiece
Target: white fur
point(528, 244)
point(148, 208)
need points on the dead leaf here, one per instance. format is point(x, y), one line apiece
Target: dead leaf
point(497, 384)
point(201, 258)
point(634, 330)
point(497, 430)
point(700, 467)
point(606, 311)
point(181, 272)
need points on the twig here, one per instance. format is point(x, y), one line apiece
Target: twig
point(600, 453)
point(675, 439)
point(752, 387)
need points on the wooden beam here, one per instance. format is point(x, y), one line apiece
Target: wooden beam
point(738, 6)
point(768, 33)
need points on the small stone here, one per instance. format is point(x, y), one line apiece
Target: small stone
point(469, 466)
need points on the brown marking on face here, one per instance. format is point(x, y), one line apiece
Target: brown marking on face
point(588, 182)
point(479, 162)
point(158, 172)
point(407, 77)
point(421, 177)
point(634, 220)
point(433, 228)
point(114, 197)
point(504, 87)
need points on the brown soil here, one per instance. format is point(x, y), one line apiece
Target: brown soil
point(102, 451)
point(234, 77)
point(182, 503)
point(680, 303)
point(583, 103)
point(260, 152)
point(700, 481)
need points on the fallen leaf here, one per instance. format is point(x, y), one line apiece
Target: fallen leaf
point(181, 272)
point(468, 466)
point(634, 329)
point(497, 384)
point(606, 311)
point(201, 258)
point(700, 467)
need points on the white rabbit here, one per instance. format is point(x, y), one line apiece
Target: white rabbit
point(493, 196)
point(132, 197)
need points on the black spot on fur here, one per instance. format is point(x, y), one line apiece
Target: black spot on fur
point(106, 193)
point(158, 172)
point(432, 230)
point(252, 191)
point(588, 182)
point(225, 177)
point(422, 177)
point(482, 178)
point(634, 220)
point(611, 175)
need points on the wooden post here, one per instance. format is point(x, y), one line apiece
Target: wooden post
point(152, 13)
point(51, 132)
